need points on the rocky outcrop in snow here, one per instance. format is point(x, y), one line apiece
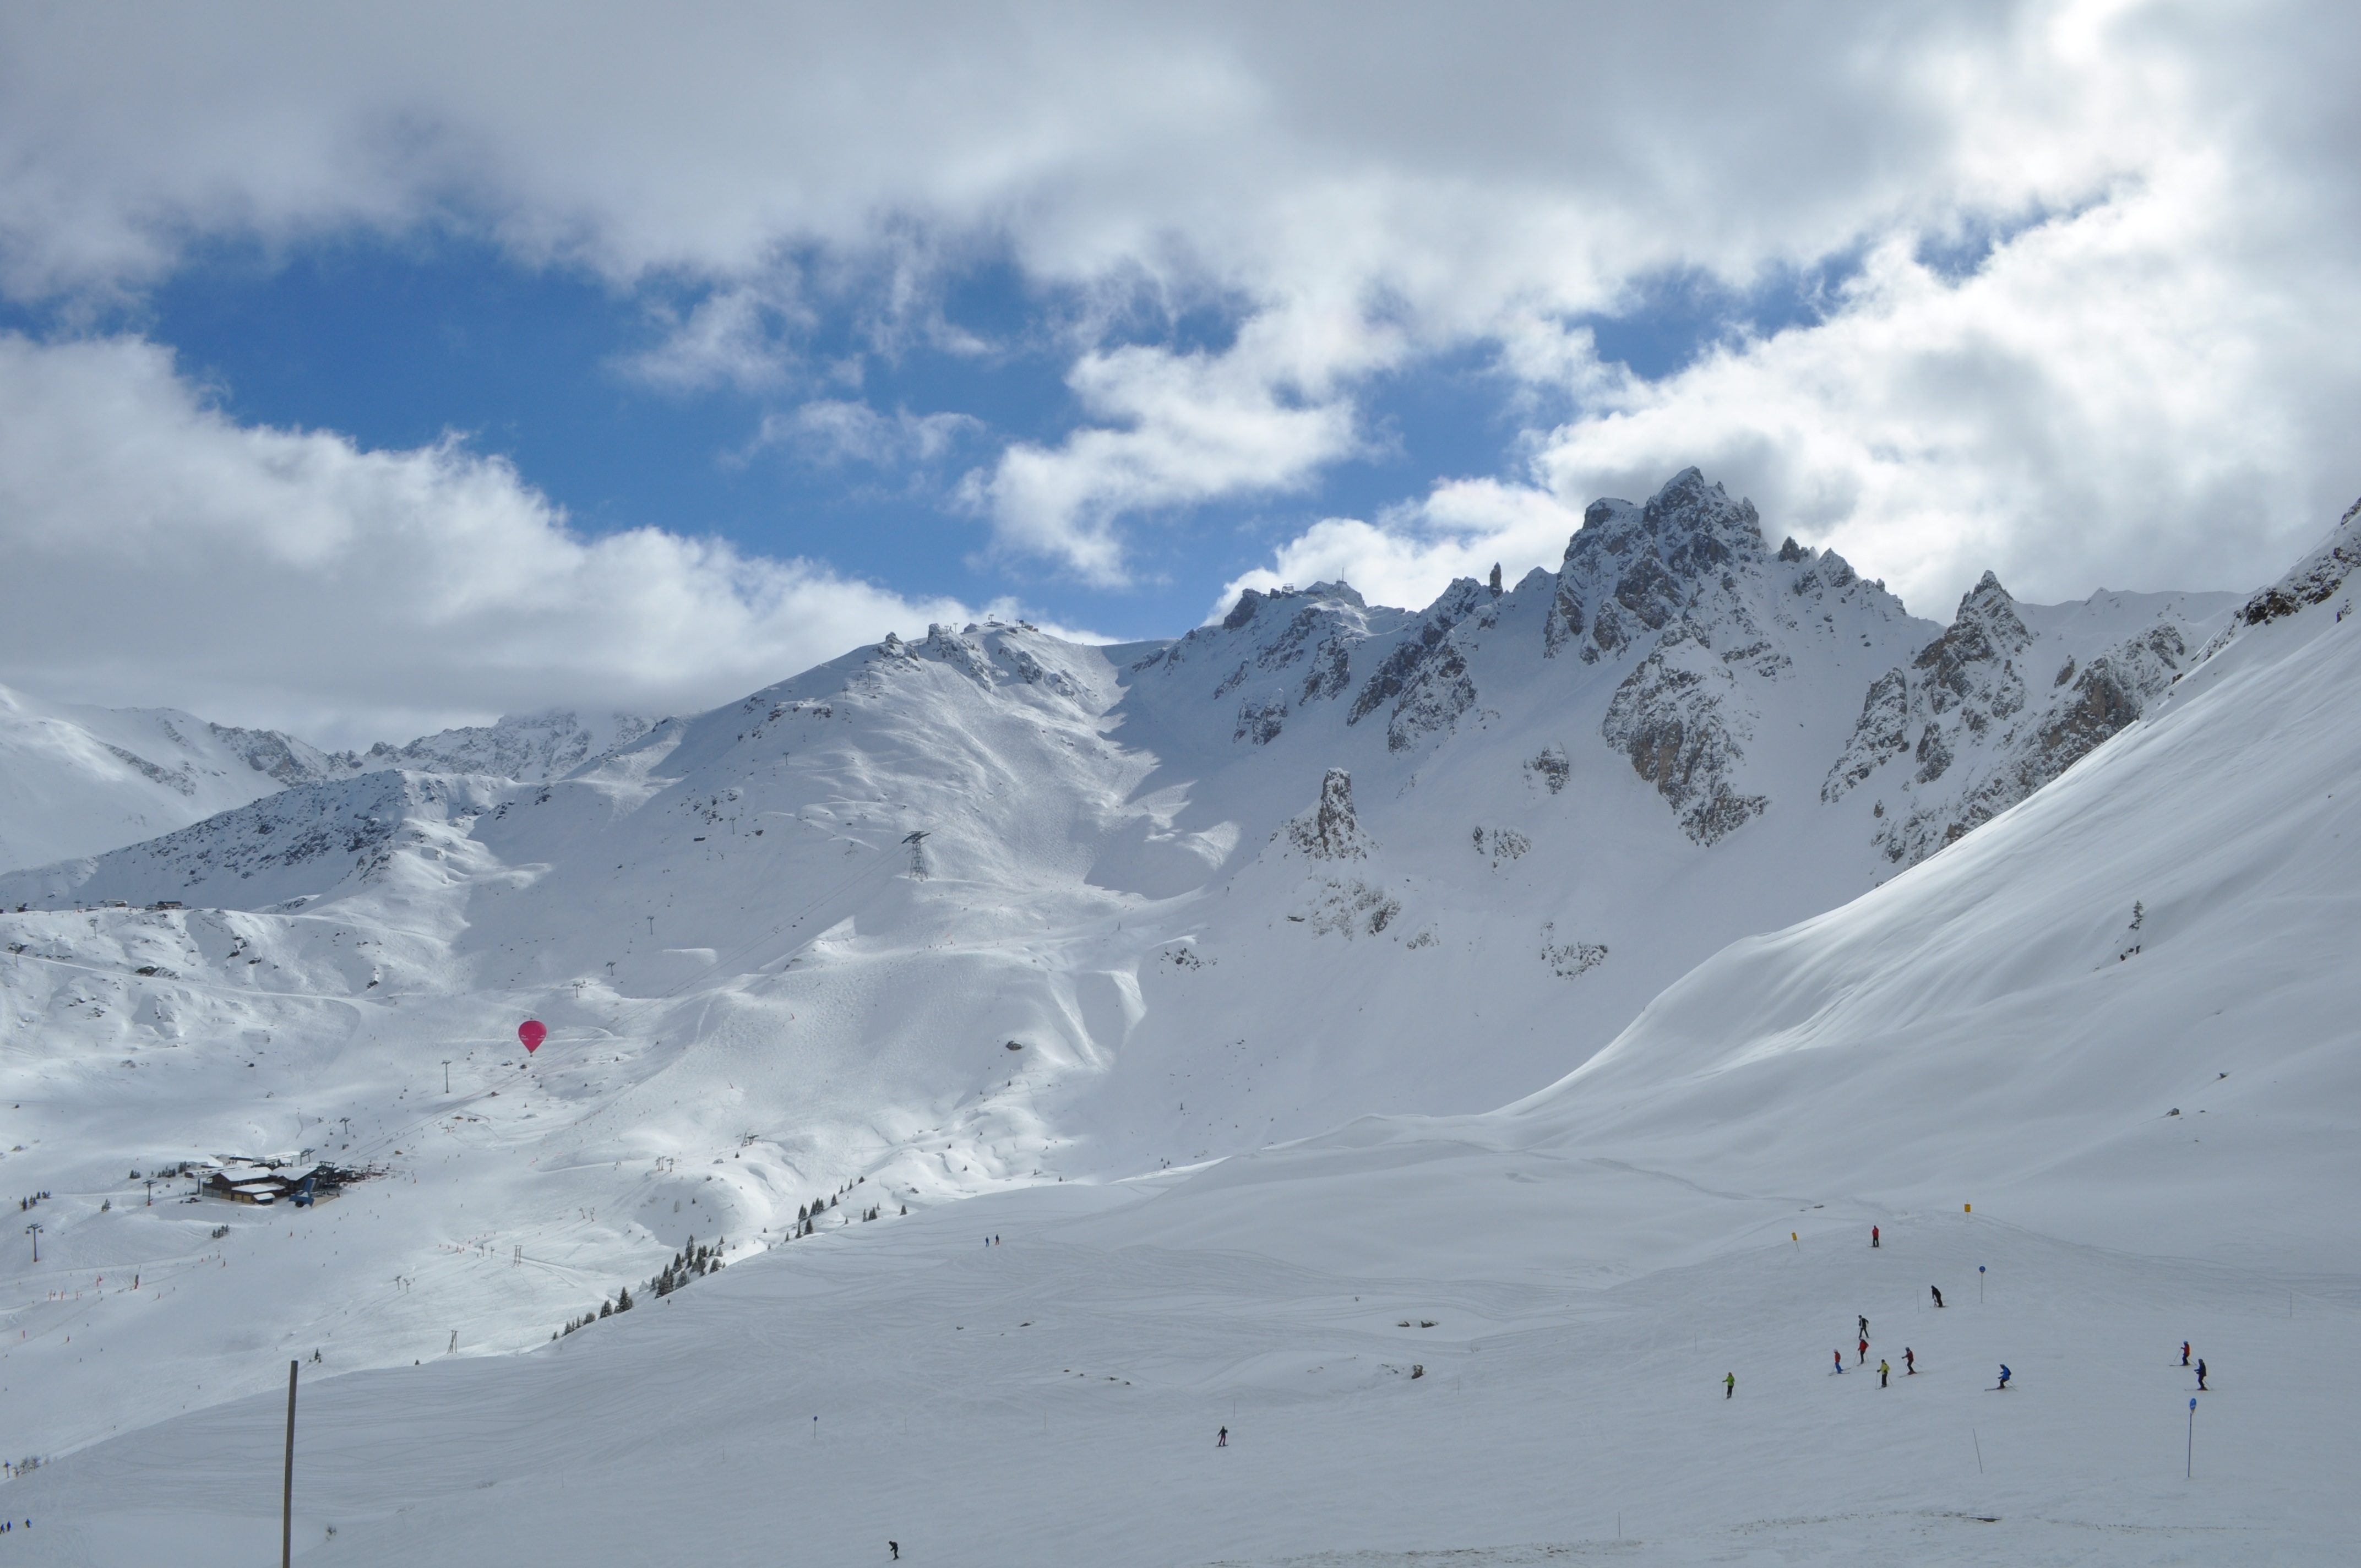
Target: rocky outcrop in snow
point(2316, 578)
point(278, 756)
point(1329, 831)
point(1677, 718)
point(1284, 649)
point(1978, 730)
point(1425, 677)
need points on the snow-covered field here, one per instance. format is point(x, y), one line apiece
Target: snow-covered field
point(1337, 879)
point(1056, 1399)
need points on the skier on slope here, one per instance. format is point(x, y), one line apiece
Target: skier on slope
point(1840, 1356)
point(895, 1548)
point(2200, 1377)
point(1864, 1328)
point(2001, 1386)
point(1864, 1354)
point(2184, 1353)
point(1873, 1235)
point(1730, 1384)
point(1909, 1361)
point(1222, 1440)
point(1939, 1294)
point(1883, 1369)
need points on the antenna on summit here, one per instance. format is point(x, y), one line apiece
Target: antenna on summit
point(918, 844)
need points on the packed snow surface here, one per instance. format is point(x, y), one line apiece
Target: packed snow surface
point(1197, 971)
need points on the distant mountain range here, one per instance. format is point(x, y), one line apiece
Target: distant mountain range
point(77, 780)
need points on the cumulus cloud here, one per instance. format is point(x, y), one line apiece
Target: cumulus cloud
point(2141, 369)
point(159, 553)
point(829, 430)
point(734, 338)
point(1462, 528)
point(2070, 413)
point(1173, 429)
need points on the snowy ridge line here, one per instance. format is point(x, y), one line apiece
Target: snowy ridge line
point(1566, 794)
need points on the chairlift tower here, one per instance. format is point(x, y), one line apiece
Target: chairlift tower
point(916, 843)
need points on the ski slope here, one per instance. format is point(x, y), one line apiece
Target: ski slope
point(1055, 1399)
point(1175, 915)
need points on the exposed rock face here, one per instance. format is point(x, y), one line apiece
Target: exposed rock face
point(1971, 668)
point(1979, 737)
point(1351, 908)
point(1260, 719)
point(1331, 671)
point(1329, 831)
point(2316, 578)
point(1881, 734)
point(1292, 643)
point(1033, 672)
point(282, 757)
point(1553, 767)
point(1502, 845)
point(1425, 677)
point(1434, 703)
point(1570, 960)
point(1687, 572)
point(956, 651)
point(1674, 718)
point(1633, 570)
point(1340, 906)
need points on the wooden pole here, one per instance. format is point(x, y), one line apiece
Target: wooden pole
point(287, 1485)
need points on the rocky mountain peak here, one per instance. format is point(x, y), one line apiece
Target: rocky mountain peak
point(1977, 734)
point(1253, 601)
point(1978, 647)
point(1632, 570)
point(1690, 525)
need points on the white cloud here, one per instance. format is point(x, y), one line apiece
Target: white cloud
point(834, 430)
point(735, 338)
point(159, 553)
point(1462, 528)
point(2075, 414)
point(1174, 429)
point(1367, 187)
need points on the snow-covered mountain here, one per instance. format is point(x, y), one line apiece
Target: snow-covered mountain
point(530, 748)
point(990, 909)
point(79, 781)
point(2091, 1069)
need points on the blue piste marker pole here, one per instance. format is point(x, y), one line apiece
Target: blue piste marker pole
point(2189, 1468)
point(1980, 1284)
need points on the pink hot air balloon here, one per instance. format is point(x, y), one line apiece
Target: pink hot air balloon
point(533, 1031)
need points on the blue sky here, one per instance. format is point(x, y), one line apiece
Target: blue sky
point(395, 342)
